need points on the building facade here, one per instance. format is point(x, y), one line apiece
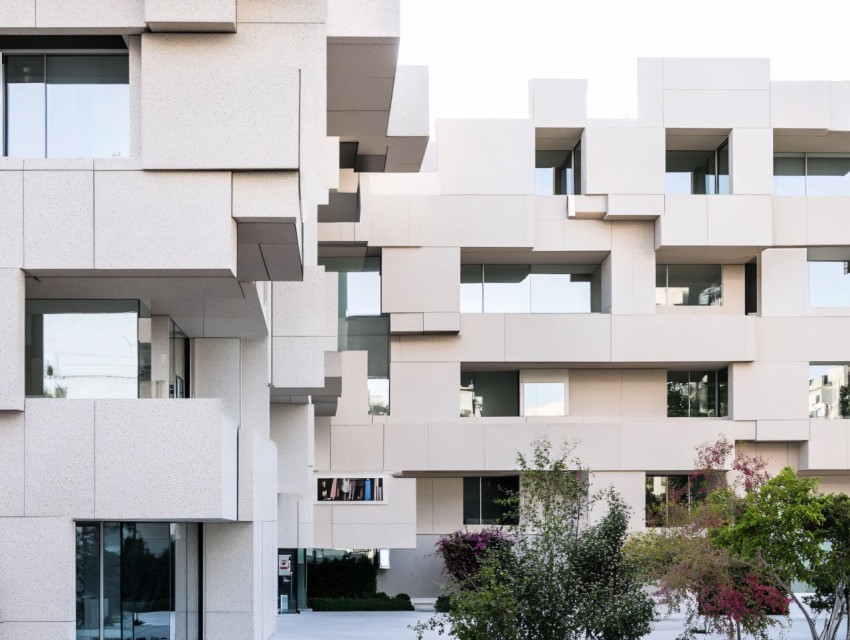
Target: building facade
point(164, 168)
point(636, 287)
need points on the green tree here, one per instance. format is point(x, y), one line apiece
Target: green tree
point(565, 578)
point(793, 533)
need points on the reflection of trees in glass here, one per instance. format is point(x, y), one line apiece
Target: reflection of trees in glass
point(844, 401)
point(145, 576)
point(88, 572)
point(677, 399)
point(670, 506)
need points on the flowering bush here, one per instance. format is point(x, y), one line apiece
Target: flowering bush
point(462, 551)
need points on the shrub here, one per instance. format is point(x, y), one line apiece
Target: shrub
point(362, 604)
point(346, 577)
point(443, 604)
point(462, 551)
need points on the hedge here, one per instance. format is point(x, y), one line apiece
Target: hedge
point(362, 604)
point(346, 577)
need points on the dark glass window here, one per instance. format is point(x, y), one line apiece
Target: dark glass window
point(698, 172)
point(669, 499)
point(688, 285)
point(697, 394)
point(138, 580)
point(489, 393)
point(482, 497)
point(67, 106)
point(557, 172)
point(361, 327)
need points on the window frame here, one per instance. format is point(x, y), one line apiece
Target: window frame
point(43, 51)
point(667, 266)
point(505, 521)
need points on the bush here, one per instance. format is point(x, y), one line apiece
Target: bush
point(345, 577)
point(363, 604)
point(462, 551)
point(443, 604)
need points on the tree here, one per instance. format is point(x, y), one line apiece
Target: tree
point(793, 533)
point(564, 578)
point(719, 591)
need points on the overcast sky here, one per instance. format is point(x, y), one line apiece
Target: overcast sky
point(482, 52)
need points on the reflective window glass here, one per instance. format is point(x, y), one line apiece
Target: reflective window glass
point(669, 499)
point(789, 174)
point(690, 172)
point(553, 174)
point(827, 174)
point(489, 393)
point(507, 288)
point(829, 391)
point(88, 582)
point(688, 285)
point(379, 396)
point(67, 106)
point(829, 284)
point(543, 398)
point(471, 288)
point(483, 498)
point(697, 394)
point(82, 348)
point(554, 289)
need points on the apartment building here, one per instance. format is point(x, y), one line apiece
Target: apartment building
point(636, 287)
point(164, 168)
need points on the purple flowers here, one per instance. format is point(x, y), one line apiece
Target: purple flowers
point(462, 551)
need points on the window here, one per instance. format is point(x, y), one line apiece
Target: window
point(489, 393)
point(350, 489)
point(829, 284)
point(698, 172)
point(481, 497)
point(67, 106)
point(670, 498)
point(138, 580)
point(811, 174)
point(103, 349)
point(829, 391)
point(688, 285)
point(697, 394)
point(529, 288)
point(544, 398)
point(361, 327)
point(557, 172)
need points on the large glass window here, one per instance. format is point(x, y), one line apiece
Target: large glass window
point(688, 285)
point(811, 174)
point(489, 393)
point(669, 499)
point(482, 498)
point(829, 284)
point(138, 581)
point(558, 172)
point(698, 172)
point(529, 288)
point(361, 327)
point(67, 106)
point(697, 394)
point(544, 398)
point(103, 349)
point(829, 391)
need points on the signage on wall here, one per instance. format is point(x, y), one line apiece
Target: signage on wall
point(284, 565)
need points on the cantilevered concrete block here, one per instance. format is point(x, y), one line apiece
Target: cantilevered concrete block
point(91, 16)
point(800, 105)
point(627, 160)
point(191, 15)
point(12, 340)
point(486, 156)
point(784, 282)
point(405, 290)
point(241, 113)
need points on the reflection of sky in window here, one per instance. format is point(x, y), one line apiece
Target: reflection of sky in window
point(813, 174)
point(93, 355)
point(678, 183)
point(363, 293)
point(544, 181)
point(828, 286)
point(88, 120)
point(513, 289)
point(543, 398)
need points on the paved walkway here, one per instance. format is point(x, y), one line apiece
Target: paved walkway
point(394, 626)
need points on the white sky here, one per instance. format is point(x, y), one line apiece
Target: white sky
point(482, 52)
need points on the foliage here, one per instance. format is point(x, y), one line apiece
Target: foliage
point(378, 602)
point(793, 533)
point(719, 591)
point(443, 603)
point(564, 577)
point(345, 577)
point(462, 551)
